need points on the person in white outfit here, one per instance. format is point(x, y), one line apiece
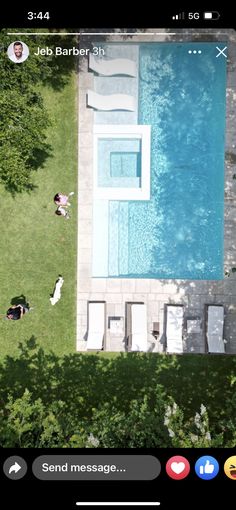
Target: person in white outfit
point(62, 212)
point(57, 290)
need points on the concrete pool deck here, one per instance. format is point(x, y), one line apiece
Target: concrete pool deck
point(155, 293)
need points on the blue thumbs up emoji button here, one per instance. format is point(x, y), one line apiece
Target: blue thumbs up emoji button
point(207, 467)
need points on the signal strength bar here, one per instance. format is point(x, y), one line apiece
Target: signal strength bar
point(178, 16)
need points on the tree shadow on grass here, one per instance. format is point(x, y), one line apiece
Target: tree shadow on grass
point(13, 190)
point(201, 379)
point(88, 382)
point(61, 65)
point(40, 156)
point(35, 163)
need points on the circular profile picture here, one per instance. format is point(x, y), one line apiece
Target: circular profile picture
point(18, 52)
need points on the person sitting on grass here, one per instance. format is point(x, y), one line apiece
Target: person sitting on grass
point(16, 312)
point(62, 212)
point(61, 199)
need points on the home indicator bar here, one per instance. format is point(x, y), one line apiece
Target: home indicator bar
point(118, 503)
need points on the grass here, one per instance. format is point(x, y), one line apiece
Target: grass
point(87, 382)
point(190, 379)
point(37, 245)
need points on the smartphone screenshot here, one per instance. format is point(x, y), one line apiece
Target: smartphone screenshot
point(118, 259)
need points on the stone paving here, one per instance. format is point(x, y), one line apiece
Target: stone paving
point(156, 293)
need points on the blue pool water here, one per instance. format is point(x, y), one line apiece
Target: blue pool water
point(125, 164)
point(119, 162)
point(179, 232)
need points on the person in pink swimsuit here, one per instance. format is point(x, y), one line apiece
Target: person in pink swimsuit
point(61, 199)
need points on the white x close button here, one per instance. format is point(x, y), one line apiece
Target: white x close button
point(221, 52)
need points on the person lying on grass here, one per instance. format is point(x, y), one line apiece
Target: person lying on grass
point(16, 312)
point(62, 212)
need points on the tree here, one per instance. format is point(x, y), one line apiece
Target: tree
point(23, 121)
point(28, 423)
point(141, 426)
point(192, 433)
point(23, 117)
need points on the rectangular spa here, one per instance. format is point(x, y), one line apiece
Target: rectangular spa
point(158, 209)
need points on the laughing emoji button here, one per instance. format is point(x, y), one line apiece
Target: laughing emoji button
point(230, 467)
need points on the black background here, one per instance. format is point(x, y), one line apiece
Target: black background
point(114, 15)
point(191, 492)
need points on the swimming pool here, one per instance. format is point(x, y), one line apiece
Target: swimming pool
point(119, 162)
point(179, 232)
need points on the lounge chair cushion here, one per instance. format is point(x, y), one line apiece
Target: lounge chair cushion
point(174, 329)
point(139, 327)
point(96, 326)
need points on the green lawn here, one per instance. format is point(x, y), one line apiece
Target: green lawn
point(190, 379)
point(36, 245)
point(89, 384)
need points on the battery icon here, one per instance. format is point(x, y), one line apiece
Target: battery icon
point(211, 15)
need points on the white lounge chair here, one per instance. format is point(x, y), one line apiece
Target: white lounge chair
point(174, 328)
point(214, 331)
point(112, 67)
point(96, 325)
point(110, 102)
point(138, 333)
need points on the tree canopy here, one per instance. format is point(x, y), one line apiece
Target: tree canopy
point(23, 116)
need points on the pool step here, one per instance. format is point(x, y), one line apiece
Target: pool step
point(113, 236)
point(100, 238)
point(123, 238)
point(118, 238)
